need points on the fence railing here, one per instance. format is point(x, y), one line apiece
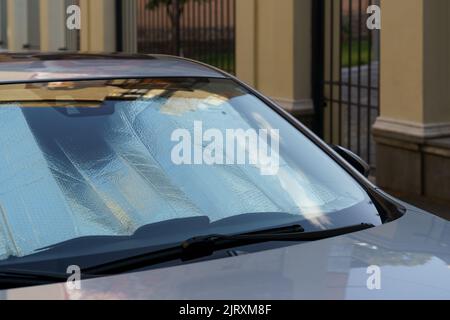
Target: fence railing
point(351, 76)
point(203, 30)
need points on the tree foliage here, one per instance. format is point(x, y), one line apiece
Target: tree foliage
point(170, 6)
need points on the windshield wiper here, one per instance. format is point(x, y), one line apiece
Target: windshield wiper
point(13, 277)
point(16, 278)
point(190, 249)
point(204, 246)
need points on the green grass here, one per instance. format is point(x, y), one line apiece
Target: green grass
point(355, 53)
point(226, 60)
point(223, 61)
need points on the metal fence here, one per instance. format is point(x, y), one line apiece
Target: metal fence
point(203, 30)
point(347, 98)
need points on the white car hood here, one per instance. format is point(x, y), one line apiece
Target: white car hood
point(413, 254)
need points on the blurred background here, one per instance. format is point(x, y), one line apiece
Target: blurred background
point(383, 94)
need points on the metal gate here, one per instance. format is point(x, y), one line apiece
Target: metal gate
point(201, 30)
point(346, 75)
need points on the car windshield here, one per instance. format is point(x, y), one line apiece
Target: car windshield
point(105, 158)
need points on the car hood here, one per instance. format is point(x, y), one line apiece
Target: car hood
point(411, 256)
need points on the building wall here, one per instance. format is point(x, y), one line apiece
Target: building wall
point(413, 130)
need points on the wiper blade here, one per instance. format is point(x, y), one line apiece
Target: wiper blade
point(203, 246)
point(23, 278)
point(157, 233)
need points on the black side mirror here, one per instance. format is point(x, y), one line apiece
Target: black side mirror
point(354, 160)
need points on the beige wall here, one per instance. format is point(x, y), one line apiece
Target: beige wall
point(415, 69)
point(246, 59)
point(52, 25)
point(17, 24)
point(98, 25)
point(436, 61)
point(273, 49)
point(402, 56)
point(413, 131)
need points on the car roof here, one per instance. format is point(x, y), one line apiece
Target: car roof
point(44, 67)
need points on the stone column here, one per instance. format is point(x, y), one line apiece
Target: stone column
point(273, 50)
point(413, 130)
point(17, 24)
point(98, 25)
point(53, 26)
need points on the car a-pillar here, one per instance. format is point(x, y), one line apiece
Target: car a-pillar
point(413, 130)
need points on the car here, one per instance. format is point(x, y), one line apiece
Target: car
point(158, 177)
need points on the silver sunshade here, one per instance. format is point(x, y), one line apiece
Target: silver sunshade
point(110, 175)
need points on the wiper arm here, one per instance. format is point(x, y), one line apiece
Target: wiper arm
point(203, 246)
point(173, 253)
